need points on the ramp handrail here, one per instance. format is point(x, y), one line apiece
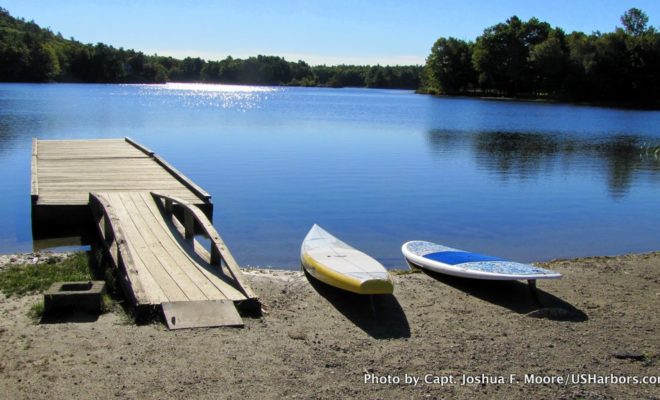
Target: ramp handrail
point(114, 241)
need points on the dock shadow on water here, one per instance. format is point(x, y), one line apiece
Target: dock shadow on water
point(515, 296)
point(385, 321)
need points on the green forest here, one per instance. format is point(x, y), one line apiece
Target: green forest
point(516, 58)
point(29, 53)
point(532, 59)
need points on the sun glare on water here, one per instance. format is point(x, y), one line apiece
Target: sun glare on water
point(215, 88)
point(212, 95)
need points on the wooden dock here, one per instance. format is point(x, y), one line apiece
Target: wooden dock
point(64, 172)
point(147, 215)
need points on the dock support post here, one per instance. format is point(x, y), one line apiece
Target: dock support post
point(189, 224)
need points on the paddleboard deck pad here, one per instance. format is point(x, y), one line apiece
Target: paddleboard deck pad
point(450, 261)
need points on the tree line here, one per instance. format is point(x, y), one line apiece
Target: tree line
point(532, 59)
point(29, 53)
point(515, 58)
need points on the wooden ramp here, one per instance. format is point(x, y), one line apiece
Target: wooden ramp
point(64, 172)
point(163, 265)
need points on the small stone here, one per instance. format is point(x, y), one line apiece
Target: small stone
point(297, 335)
point(629, 355)
point(551, 313)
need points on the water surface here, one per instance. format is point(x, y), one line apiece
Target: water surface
point(529, 181)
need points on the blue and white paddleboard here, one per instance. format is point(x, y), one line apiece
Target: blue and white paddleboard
point(446, 260)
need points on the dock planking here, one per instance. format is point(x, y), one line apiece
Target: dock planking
point(64, 172)
point(147, 214)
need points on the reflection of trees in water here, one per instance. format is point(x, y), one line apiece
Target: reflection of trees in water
point(519, 154)
point(623, 157)
point(526, 155)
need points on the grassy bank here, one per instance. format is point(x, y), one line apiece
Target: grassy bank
point(24, 279)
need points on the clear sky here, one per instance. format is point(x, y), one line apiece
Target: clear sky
point(319, 32)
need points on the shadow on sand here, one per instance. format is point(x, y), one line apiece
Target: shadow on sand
point(515, 296)
point(387, 322)
point(69, 317)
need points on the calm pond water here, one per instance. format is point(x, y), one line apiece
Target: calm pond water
point(375, 167)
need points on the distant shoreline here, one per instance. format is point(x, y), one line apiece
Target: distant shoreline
point(605, 104)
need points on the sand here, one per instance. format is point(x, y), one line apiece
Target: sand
point(601, 321)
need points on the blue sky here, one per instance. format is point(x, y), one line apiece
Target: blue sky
point(324, 31)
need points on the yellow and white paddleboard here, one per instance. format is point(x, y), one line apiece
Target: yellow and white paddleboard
point(337, 264)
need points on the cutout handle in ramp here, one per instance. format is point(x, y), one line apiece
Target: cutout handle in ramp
point(201, 314)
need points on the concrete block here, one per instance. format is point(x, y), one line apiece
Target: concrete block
point(69, 296)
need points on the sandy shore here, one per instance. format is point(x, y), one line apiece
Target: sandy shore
point(601, 320)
